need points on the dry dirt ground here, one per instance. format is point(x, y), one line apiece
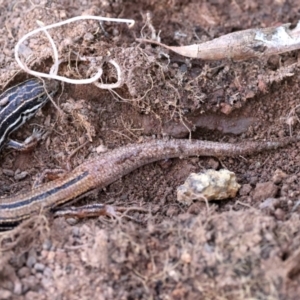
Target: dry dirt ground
point(242, 248)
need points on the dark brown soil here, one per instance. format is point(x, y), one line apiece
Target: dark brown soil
point(242, 248)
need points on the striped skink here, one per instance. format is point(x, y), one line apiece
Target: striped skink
point(111, 166)
point(18, 104)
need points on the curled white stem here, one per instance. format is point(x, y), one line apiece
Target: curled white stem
point(54, 68)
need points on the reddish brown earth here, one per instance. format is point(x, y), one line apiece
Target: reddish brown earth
point(241, 248)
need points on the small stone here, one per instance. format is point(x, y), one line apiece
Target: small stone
point(76, 231)
point(17, 288)
point(115, 32)
point(46, 282)
point(226, 108)
point(293, 194)
point(5, 294)
point(196, 208)
point(33, 271)
point(88, 37)
point(174, 274)
point(264, 190)
point(23, 272)
point(30, 283)
point(245, 189)
point(32, 295)
point(183, 68)
point(43, 255)
point(51, 255)
point(72, 221)
point(278, 176)
point(179, 292)
point(285, 188)
point(39, 276)
point(39, 267)
point(279, 214)
point(47, 245)
point(249, 94)
point(21, 175)
point(48, 272)
point(213, 163)
point(186, 258)
point(208, 185)
point(31, 260)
